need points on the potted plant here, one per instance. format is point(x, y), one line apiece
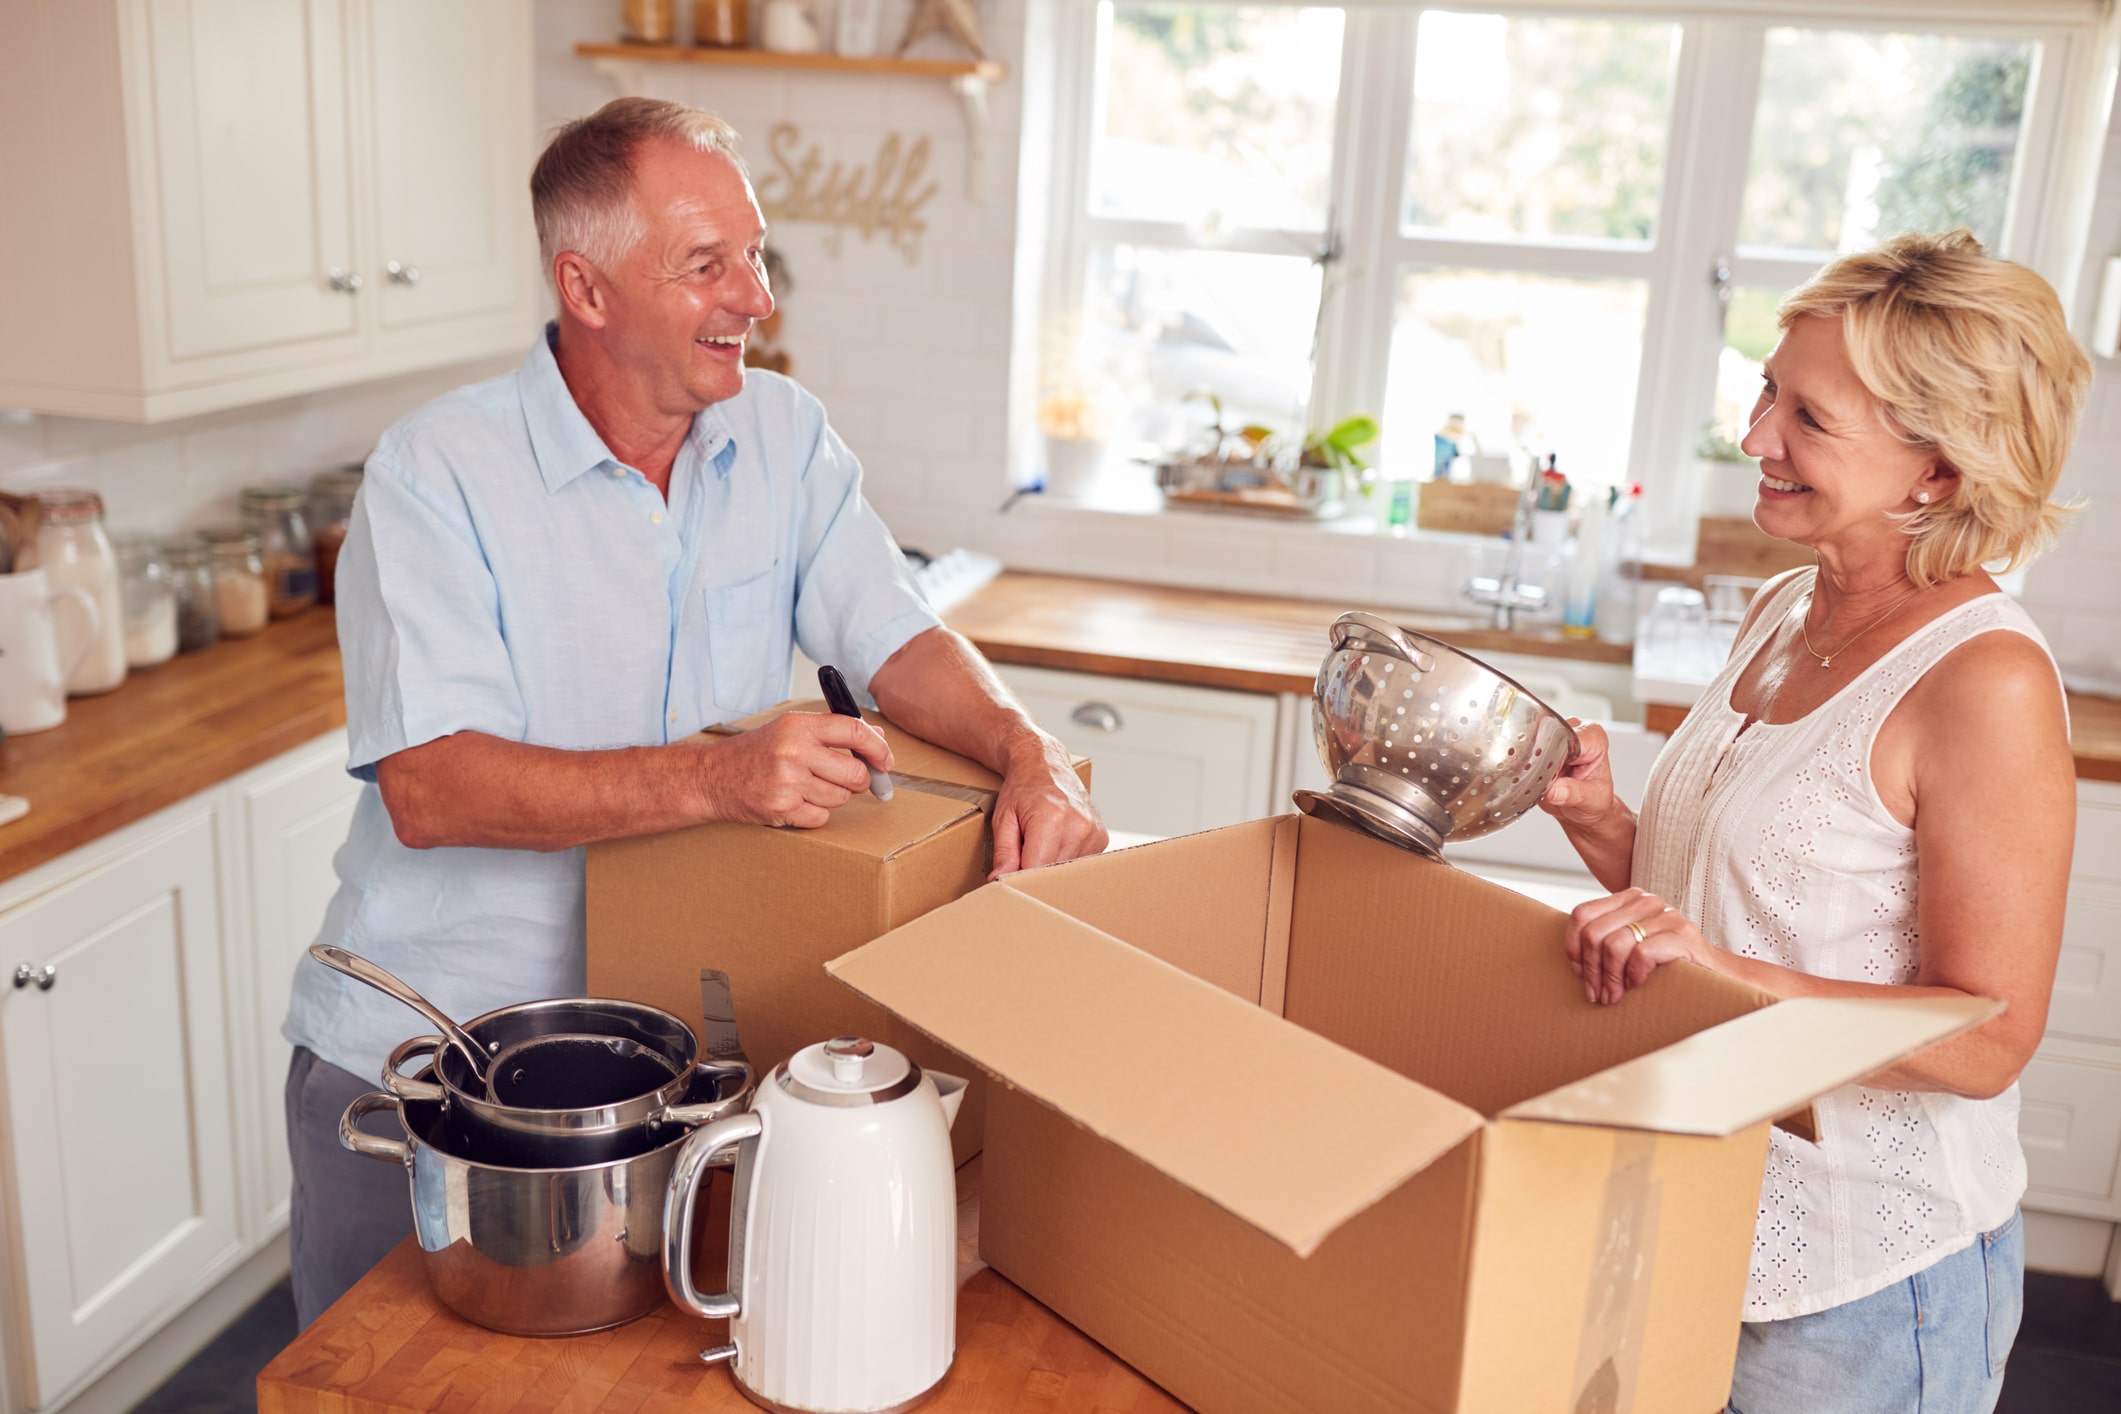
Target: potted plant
point(1727, 477)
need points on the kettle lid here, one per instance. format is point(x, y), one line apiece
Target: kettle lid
point(849, 1069)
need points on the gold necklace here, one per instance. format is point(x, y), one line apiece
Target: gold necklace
point(1826, 660)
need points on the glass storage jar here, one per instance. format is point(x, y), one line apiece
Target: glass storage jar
point(331, 499)
point(150, 602)
point(274, 515)
point(242, 601)
point(191, 579)
point(77, 554)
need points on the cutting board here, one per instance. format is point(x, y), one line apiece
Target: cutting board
point(388, 1347)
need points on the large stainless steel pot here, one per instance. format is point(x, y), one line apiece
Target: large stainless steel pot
point(536, 1251)
point(566, 1131)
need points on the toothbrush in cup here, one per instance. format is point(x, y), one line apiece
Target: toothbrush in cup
point(840, 698)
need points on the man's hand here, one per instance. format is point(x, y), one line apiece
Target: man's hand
point(1043, 815)
point(793, 771)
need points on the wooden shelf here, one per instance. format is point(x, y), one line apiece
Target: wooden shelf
point(991, 70)
point(627, 66)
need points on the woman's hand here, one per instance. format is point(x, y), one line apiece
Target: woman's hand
point(1616, 942)
point(1582, 795)
point(1597, 822)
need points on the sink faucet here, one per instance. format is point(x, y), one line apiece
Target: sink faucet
point(1508, 594)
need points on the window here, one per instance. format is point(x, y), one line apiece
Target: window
point(1570, 228)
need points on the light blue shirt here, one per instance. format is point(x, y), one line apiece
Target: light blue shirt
point(504, 573)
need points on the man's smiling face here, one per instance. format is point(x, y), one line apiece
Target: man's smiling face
point(685, 297)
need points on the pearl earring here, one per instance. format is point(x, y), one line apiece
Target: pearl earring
point(1923, 497)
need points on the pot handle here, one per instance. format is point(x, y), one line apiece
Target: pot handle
point(692, 1161)
point(708, 1111)
point(374, 1146)
point(404, 1086)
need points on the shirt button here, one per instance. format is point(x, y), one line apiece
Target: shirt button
point(618, 471)
point(673, 718)
point(656, 517)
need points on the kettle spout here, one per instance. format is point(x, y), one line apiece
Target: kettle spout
point(952, 1092)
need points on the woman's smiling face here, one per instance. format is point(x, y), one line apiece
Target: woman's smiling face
point(1831, 468)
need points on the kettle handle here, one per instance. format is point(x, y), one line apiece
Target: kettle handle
point(693, 1160)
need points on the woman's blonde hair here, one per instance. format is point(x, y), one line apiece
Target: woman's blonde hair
point(1969, 356)
point(581, 191)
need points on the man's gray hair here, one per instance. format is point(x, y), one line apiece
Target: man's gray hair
point(581, 191)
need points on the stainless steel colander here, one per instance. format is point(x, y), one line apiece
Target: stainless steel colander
point(1426, 744)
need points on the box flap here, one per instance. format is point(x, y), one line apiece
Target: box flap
point(1287, 1131)
point(1758, 1066)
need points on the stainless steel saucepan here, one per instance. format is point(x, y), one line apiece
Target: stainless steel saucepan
point(530, 1250)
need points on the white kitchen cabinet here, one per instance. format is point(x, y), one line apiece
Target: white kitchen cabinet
point(289, 818)
point(1164, 759)
point(242, 199)
point(120, 1140)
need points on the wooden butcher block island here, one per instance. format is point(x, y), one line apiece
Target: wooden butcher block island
point(388, 1347)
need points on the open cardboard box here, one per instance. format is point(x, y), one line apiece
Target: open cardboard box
point(1294, 1120)
point(697, 921)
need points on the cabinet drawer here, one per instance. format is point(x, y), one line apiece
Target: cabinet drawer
point(2087, 996)
point(2070, 1125)
point(1165, 760)
point(2098, 854)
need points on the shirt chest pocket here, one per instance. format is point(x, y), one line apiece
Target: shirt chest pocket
point(747, 642)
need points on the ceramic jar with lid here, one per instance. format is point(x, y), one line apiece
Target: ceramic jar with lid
point(331, 501)
point(191, 579)
point(242, 601)
point(76, 554)
point(274, 515)
point(150, 602)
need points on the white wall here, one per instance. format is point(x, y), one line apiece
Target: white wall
point(184, 475)
point(2075, 592)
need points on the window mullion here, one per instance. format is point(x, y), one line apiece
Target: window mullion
point(1710, 145)
point(1359, 290)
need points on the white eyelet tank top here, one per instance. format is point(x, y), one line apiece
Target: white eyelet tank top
point(1774, 841)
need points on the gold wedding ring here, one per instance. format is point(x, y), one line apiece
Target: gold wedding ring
point(1638, 931)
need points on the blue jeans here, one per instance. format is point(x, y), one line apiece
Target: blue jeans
point(1933, 1344)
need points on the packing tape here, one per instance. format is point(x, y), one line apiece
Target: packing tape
point(1616, 1308)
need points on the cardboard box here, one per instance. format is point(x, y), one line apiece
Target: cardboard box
point(1297, 1121)
point(768, 908)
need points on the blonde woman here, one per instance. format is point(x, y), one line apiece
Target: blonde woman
point(1876, 797)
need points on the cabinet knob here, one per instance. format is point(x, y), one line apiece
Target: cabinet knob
point(43, 976)
point(401, 274)
point(1097, 716)
point(345, 282)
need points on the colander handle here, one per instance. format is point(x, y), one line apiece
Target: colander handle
point(1355, 620)
point(683, 1195)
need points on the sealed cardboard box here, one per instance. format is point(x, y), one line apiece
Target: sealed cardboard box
point(1296, 1121)
point(734, 923)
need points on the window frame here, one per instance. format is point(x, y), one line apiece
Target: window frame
point(1715, 96)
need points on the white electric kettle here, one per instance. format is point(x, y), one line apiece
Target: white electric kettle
point(842, 1232)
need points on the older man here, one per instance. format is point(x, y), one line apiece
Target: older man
point(553, 581)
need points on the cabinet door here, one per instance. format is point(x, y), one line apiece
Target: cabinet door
point(2070, 1125)
point(255, 209)
point(1164, 760)
point(118, 1100)
point(448, 125)
point(294, 821)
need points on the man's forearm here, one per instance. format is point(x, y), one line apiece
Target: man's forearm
point(940, 689)
point(471, 789)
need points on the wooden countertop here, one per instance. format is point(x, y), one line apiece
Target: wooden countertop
point(202, 718)
point(388, 1347)
point(1246, 642)
point(170, 732)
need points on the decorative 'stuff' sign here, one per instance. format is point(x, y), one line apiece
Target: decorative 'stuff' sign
point(885, 196)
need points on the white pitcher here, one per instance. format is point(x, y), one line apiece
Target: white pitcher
point(32, 679)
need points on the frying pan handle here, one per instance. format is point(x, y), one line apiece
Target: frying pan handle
point(403, 1086)
point(692, 1162)
point(397, 1151)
